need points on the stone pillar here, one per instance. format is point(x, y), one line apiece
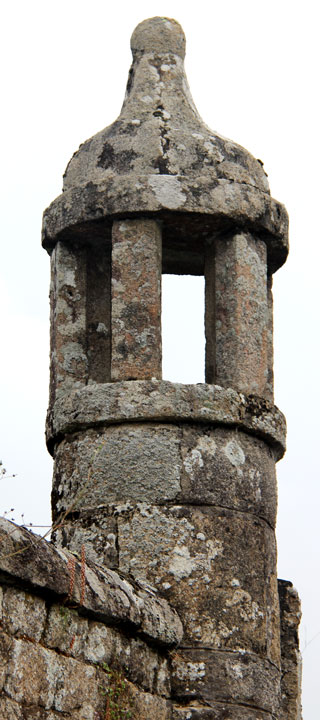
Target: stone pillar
point(237, 314)
point(68, 295)
point(136, 300)
point(80, 316)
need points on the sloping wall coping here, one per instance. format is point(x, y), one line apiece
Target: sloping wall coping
point(28, 560)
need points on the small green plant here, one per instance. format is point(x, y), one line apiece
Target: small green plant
point(116, 694)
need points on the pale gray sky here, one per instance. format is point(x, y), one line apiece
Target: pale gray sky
point(253, 71)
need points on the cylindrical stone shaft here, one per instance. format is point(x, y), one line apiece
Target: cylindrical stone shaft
point(190, 510)
point(136, 300)
point(237, 331)
point(68, 318)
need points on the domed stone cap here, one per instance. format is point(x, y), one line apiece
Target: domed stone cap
point(159, 156)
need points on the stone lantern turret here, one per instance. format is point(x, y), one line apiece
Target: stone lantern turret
point(173, 485)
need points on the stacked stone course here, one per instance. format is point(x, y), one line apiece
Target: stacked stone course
point(167, 490)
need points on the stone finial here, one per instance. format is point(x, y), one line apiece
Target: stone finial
point(159, 34)
point(160, 157)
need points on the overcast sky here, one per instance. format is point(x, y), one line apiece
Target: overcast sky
point(253, 69)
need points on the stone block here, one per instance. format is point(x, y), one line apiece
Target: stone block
point(147, 670)
point(76, 685)
point(144, 706)
point(23, 614)
point(210, 677)
point(216, 567)
point(32, 674)
point(136, 299)
point(159, 621)
point(100, 644)
point(66, 631)
point(229, 469)
point(137, 463)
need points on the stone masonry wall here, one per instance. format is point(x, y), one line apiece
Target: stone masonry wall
point(81, 643)
point(77, 643)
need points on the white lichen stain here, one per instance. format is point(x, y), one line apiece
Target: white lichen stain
point(248, 609)
point(194, 458)
point(181, 564)
point(233, 451)
point(211, 633)
point(67, 277)
point(102, 329)
point(200, 536)
point(167, 190)
point(191, 671)
point(193, 461)
point(255, 479)
point(237, 671)
point(215, 548)
point(123, 508)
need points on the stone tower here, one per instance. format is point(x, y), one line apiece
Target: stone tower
point(172, 485)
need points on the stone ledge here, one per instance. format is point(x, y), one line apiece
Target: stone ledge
point(216, 203)
point(30, 561)
point(160, 400)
